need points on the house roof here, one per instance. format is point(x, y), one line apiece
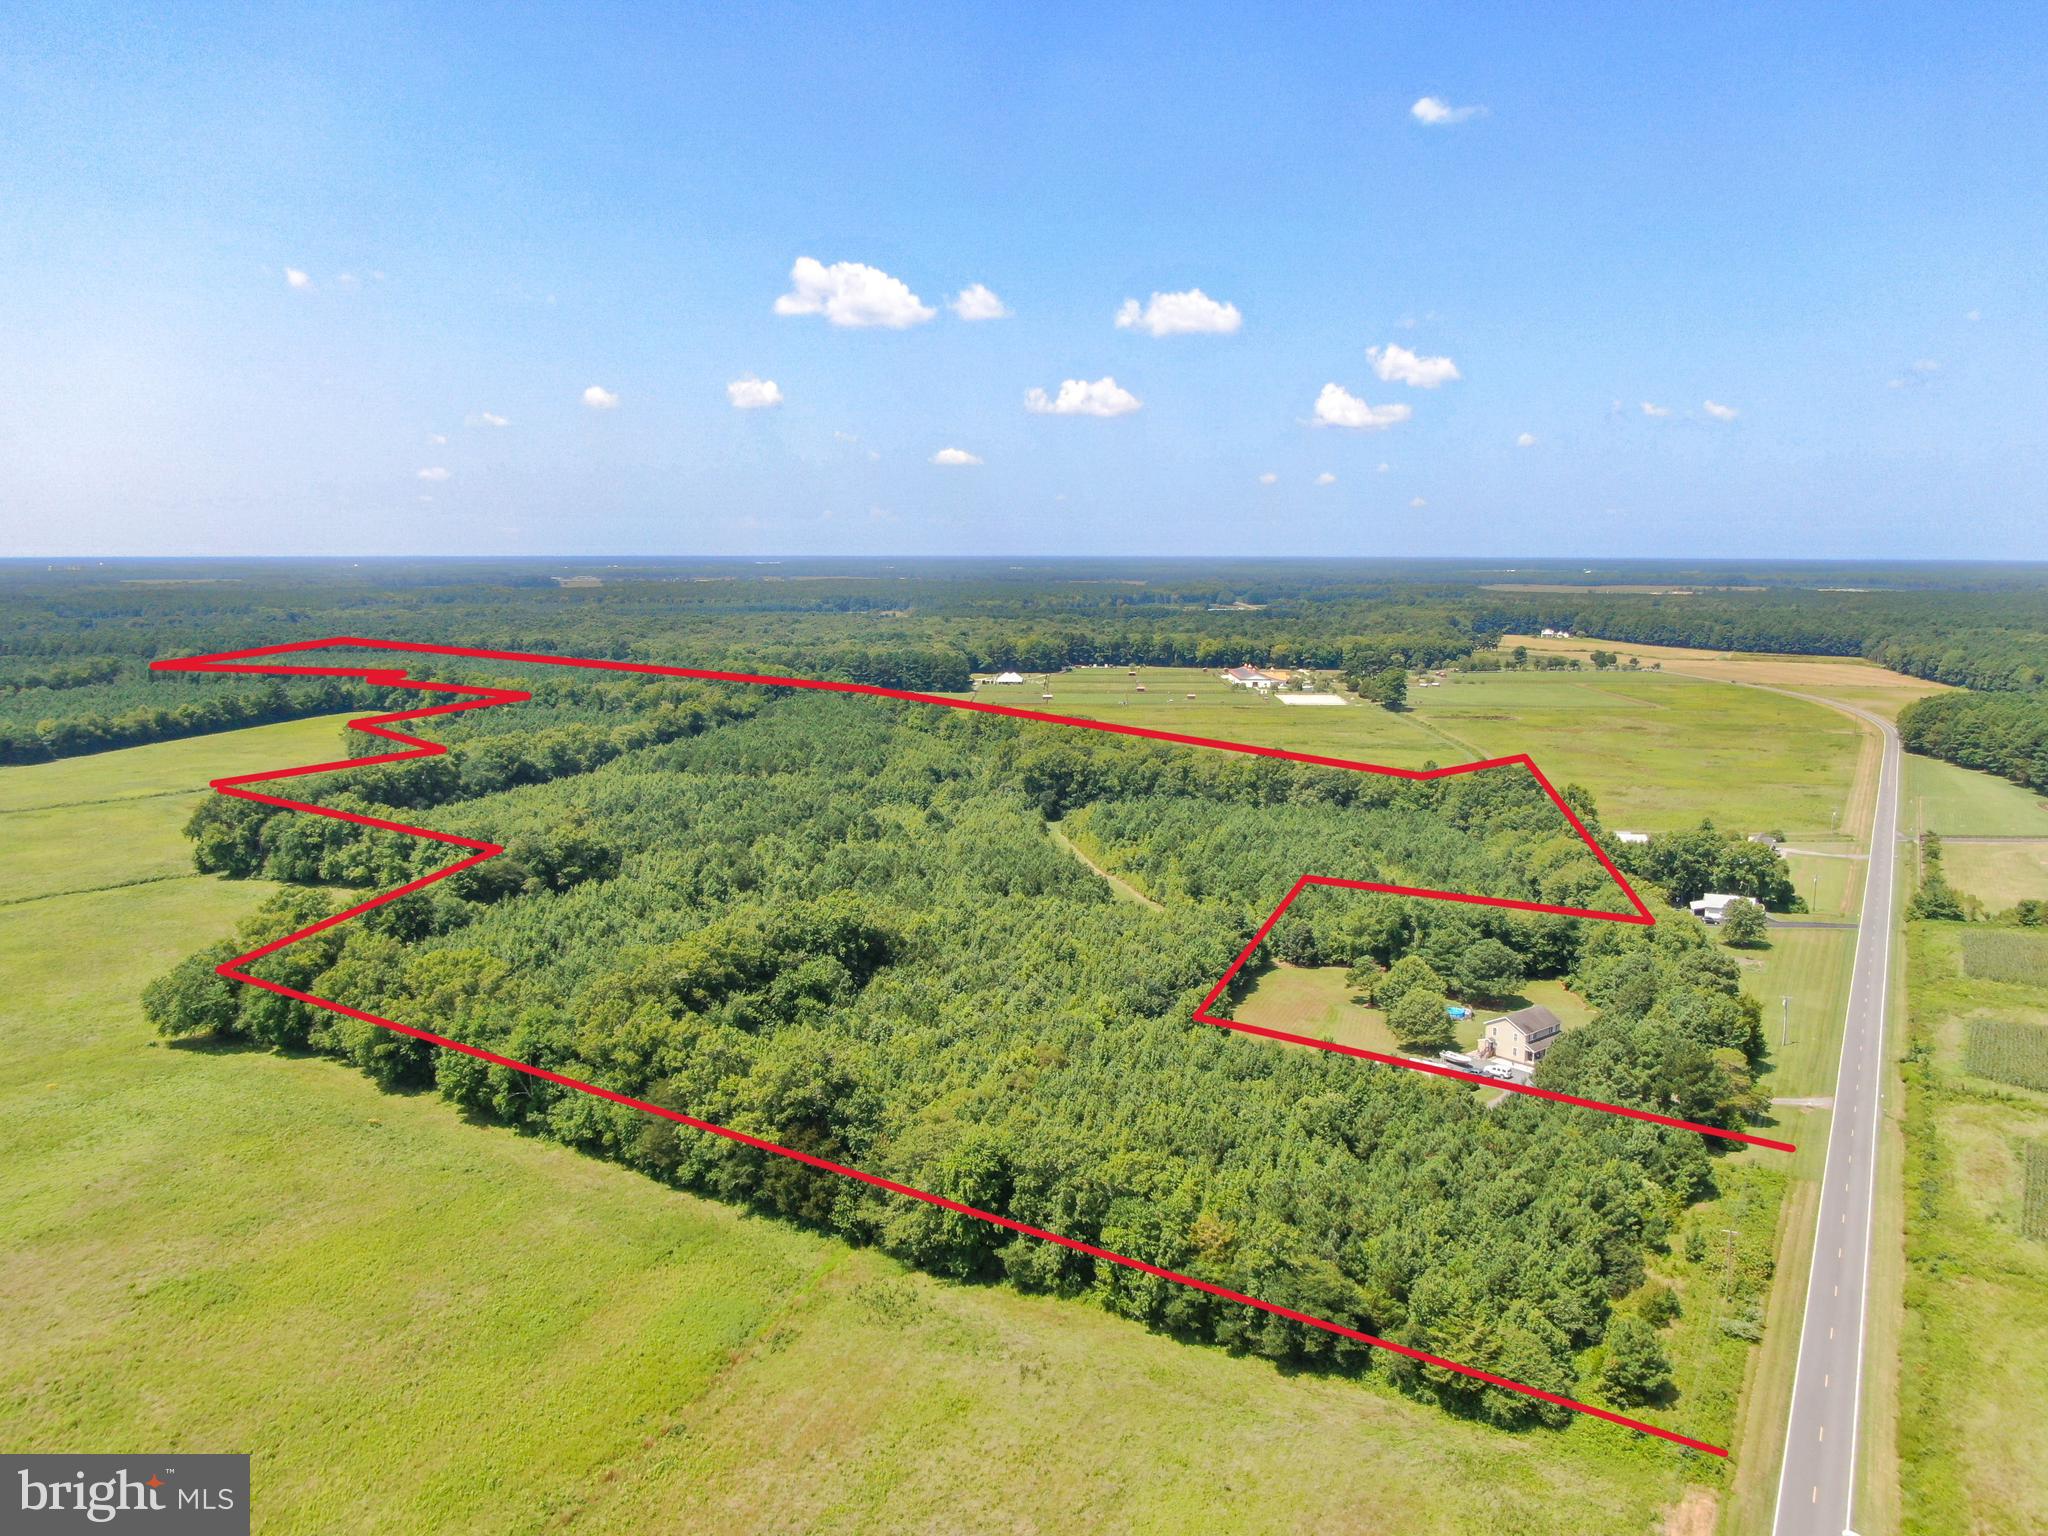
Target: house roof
point(1534, 1023)
point(1244, 674)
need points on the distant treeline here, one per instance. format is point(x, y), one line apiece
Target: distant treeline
point(255, 702)
point(2001, 733)
point(75, 646)
point(1967, 639)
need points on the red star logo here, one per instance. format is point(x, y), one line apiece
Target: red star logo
point(155, 1481)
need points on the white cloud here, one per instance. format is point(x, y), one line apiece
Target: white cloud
point(297, 279)
point(1105, 397)
point(1179, 314)
point(1438, 113)
point(598, 398)
point(486, 419)
point(1418, 503)
point(349, 281)
point(851, 293)
point(1974, 315)
point(1268, 478)
point(436, 439)
point(1718, 411)
point(1397, 365)
point(435, 473)
point(954, 456)
point(1382, 469)
point(1650, 409)
point(1326, 478)
point(977, 302)
point(1336, 406)
point(1925, 366)
point(752, 394)
point(1526, 440)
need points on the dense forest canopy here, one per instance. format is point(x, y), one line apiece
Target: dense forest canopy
point(840, 924)
point(2001, 733)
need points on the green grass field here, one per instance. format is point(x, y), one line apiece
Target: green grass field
point(1960, 802)
point(1974, 1368)
point(1998, 874)
point(232, 1250)
point(1658, 751)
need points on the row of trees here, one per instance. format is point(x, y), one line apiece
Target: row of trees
point(2001, 733)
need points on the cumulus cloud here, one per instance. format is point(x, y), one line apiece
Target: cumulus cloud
point(1652, 409)
point(1268, 478)
point(598, 398)
point(1382, 469)
point(434, 473)
point(1179, 314)
point(1326, 478)
point(297, 279)
point(1336, 406)
point(1719, 411)
point(977, 302)
point(1418, 503)
point(752, 394)
point(486, 419)
point(436, 439)
point(1397, 365)
point(1438, 113)
point(1105, 397)
point(954, 456)
point(851, 293)
point(1526, 440)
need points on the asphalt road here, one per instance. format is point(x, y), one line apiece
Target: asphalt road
point(1816, 1488)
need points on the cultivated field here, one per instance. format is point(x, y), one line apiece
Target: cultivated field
point(228, 1249)
point(1657, 751)
point(1973, 1444)
point(1847, 678)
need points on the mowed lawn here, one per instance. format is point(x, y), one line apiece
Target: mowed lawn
point(1658, 751)
point(416, 1323)
point(1316, 1001)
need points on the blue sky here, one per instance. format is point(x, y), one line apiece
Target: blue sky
point(1829, 224)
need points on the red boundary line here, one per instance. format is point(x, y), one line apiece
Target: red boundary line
point(480, 697)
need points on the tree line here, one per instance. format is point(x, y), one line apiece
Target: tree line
point(2001, 733)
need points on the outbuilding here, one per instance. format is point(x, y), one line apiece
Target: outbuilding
point(1713, 907)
